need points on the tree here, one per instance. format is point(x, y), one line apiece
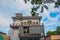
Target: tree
point(58, 28)
point(49, 33)
point(40, 3)
point(36, 5)
point(1, 37)
point(57, 4)
point(54, 32)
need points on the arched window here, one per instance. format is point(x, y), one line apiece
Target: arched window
point(21, 23)
point(33, 23)
point(29, 22)
point(36, 23)
point(24, 22)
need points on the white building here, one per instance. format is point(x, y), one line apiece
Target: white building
point(26, 28)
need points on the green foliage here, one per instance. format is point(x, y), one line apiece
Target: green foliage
point(39, 2)
point(49, 33)
point(49, 1)
point(45, 6)
point(36, 2)
point(26, 1)
point(34, 9)
point(41, 9)
point(54, 32)
point(57, 4)
point(1, 37)
point(58, 28)
point(33, 14)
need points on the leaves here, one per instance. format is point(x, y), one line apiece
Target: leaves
point(35, 2)
point(49, 1)
point(57, 4)
point(39, 2)
point(33, 14)
point(49, 33)
point(58, 28)
point(25, 1)
point(42, 9)
point(34, 9)
point(54, 32)
point(45, 6)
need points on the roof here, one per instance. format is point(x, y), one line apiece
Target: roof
point(19, 16)
point(52, 35)
point(26, 17)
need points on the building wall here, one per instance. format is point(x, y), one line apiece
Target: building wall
point(10, 33)
point(55, 37)
point(36, 29)
point(20, 30)
point(33, 30)
point(18, 22)
point(16, 34)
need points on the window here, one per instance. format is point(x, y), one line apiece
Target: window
point(25, 30)
point(24, 23)
point(33, 22)
point(36, 23)
point(21, 23)
point(29, 22)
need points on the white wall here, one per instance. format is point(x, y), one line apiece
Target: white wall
point(18, 22)
point(16, 34)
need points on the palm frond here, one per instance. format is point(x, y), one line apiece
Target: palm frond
point(57, 4)
point(45, 6)
point(42, 9)
point(33, 14)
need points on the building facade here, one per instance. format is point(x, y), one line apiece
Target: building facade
point(26, 27)
point(53, 37)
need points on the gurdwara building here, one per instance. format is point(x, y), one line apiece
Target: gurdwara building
point(26, 27)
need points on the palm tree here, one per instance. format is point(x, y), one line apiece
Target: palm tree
point(41, 3)
point(36, 5)
point(57, 3)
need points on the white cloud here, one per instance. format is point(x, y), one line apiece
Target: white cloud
point(20, 5)
point(49, 24)
point(52, 30)
point(46, 14)
point(4, 20)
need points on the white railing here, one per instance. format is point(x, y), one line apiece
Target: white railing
point(19, 24)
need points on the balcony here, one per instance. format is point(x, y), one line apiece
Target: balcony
point(14, 25)
point(29, 35)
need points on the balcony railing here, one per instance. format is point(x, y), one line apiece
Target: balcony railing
point(22, 25)
point(30, 35)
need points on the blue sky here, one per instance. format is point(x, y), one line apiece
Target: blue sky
point(8, 8)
